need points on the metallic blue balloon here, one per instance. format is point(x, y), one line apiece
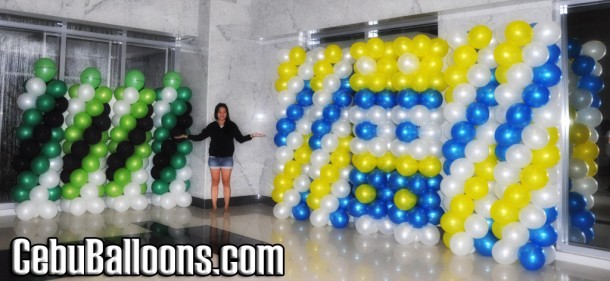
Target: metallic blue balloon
point(589, 234)
point(342, 98)
point(447, 166)
point(377, 178)
point(477, 113)
point(339, 218)
point(418, 217)
point(453, 149)
point(591, 83)
point(574, 48)
point(407, 98)
point(364, 98)
point(385, 194)
point(320, 128)
point(519, 115)
point(576, 202)
point(280, 139)
point(583, 219)
point(397, 215)
point(531, 256)
point(485, 94)
point(507, 135)
point(285, 126)
point(366, 130)
point(554, 54)
point(301, 212)
point(463, 132)
point(547, 74)
point(357, 178)
point(294, 112)
point(357, 209)
point(434, 183)
point(331, 113)
point(418, 184)
point(583, 65)
point(377, 209)
point(434, 215)
point(304, 195)
point(345, 84)
point(597, 102)
point(500, 151)
point(305, 97)
point(536, 95)
point(551, 215)
point(385, 99)
point(429, 200)
point(407, 131)
point(307, 84)
point(485, 245)
point(397, 181)
point(544, 236)
point(344, 202)
point(431, 99)
point(315, 142)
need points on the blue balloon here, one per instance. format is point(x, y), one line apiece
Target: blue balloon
point(551, 215)
point(357, 178)
point(305, 97)
point(344, 202)
point(597, 102)
point(589, 234)
point(554, 54)
point(331, 113)
point(407, 98)
point(576, 235)
point(574, 48)
point(377, 209)
point(377, 178)
point(301, 211)
point(407, 131)
point(531, 256)
point(385, 194)
point(339, 218)
point(385, 99)
point(418, 217)
point(477, 113)
point(345, 84)
point(315, 142)
point(544, 236)
point(357, 209)
point(453, 149)
point(500, 151)
point(431, 99)
point(434, 183)
point(507, 135)
point(364, 98)
point(519, 115)
point(294, 112)
point(485, 94)
point(583, 65)
point(418, 184)
point(463, 132)
point(576, 202)
point(536, 95)
point(280, 139)
point(591, 83)
point(434, 215)
point(547, 74)
point(397, 181)
point(366, 130)
point(397, 215)
point(304, 195)
point(307, 84)
point(342, 98)
point(429, 200)
point(485, 245)
point(583, 219)
point(320, 128)
point(447, 166)
point(285, 126)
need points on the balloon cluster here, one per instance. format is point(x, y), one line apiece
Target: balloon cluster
point(129, 144)
point(171, 170)
point(85, 147)
point(38, 161)
point(585, 85)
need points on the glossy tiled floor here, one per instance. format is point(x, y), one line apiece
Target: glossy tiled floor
point(311, 253)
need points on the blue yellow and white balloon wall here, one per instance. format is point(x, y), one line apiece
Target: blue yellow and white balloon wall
point(406, 135)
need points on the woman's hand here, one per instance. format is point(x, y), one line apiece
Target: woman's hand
point(257, 135)
point(180, 137)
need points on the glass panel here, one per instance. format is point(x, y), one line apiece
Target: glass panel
point(19, 50)
point(150, 61)
point(83, 53)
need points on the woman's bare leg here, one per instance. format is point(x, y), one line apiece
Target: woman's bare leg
point(215, 181)
point(226, 185)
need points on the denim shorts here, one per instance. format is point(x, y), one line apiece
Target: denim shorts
point(220, 162)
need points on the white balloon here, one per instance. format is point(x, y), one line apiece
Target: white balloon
point(377, 115)
point(26, 210)
point(452, 186)
point(547, 116)
point(590, 201)
point(508, 94)
point(408, 63)
point(436, 116)
point(486, 57)
point(294, 140)
point(520, 75)
point(504, 253)
point(399, 114)
point(366, 65)
point(435, 148)
point(387, 131)
point(430, 131)
point(597, 70)
point(139, 176)
point(476, 226)
point(329, 143)
point(161, 107)
point(286, 98)
point(132, 189)
point(532, 216)
point(281, 211)
point(515, 234)
point(386, 226)
point(329, 203)
point(535, 136)
point(518, 155)
point(399, 148)
point(96, 205)
point(75, 106)
point(456, 38)
point(78, 206)
point(184, 173)
point(366, 225)
point(35, 86)
point(295, 84)
point(594, 137)
point(301, 183)
point(26, 101)
point(478, 75)
point(283, 154)
point(318, 54)
point(347, 56)
point(506, 174)
point(89, 191)
point(340, 188)
point(499, 113)
point(454, 112)
point(476, 151)
point(183, 199)
point(283, 55)
point(591, 117)
point(319, 157)
point(418, 149)
point(157, 120)
point(316, 112)
point(291, 197)
point(486, 132)
point(357, 115)
point(594, 48)
point(578, 168)
point(56, 164)
point(546, 32)
point(462, 169)
point(378, 147)
point(405, 234)
point(39, 194)
point(304, 126)
point(464, 93)
point(461, 244)
point(341, 128)
point(167, 201)
point(139, 202)
point(535, 54)
point(306, 71)
point(64, 204)
point(549, 254)
point(318, 218)
point(86, 92)
point(429, 235)
point(585, 186)
point(343, 69)
point(580, 99)
point(120, 108)
point(358, 146)
point(97, 177)
point(545, 197)
point(49, 179)
point(47, 209)
point(155, 200)
point(169, 94)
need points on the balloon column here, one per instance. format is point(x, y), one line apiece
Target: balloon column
point(585, 86)
point(171, 171)
point(38, 162)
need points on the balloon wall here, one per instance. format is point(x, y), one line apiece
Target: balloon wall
point(400, 137)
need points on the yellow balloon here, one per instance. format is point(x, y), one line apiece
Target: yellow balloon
point(404, 199)
point(402, 45)
point(437, 82)
point(340, 158)
point(389, 51)
point(420, 82)
point(501, 73)
point(277, 195)
point(282, 181)
point(358, 50)
point(400, 81)
point(507, 54)
point(438, 47)
point(461, 205)
point(455, 75)
point(292, 169)
point(421, 45)
point(387, 66)
point(516, 195)
point(387, 162)
point(281, 84)
point(485, 169)
point(430, 166)
point(534, 177)
point(302, 154)
point(476, 187)
point(358, 82)
point(452, 222)
point(313, 201)
point(465, 56)
point(447, 242)
point(496, 229)
point(479, 36)
point(553, 135)
point(286, 70)
point(333, 53)
point(579, 133)
point(546, 157)
point(377, 82)
point(449, 94)
point(503, 212)
point(322, 68)
point(329, 173)
point(319, 187)
point(406, 165)
point(375, 47)
point(519, 33)
point(297, 55)
point(365, 193)
point(593, 168)
point(586, 151)
point(364, 162)
point(431, 64)
point(316, 83)
point(344, 143)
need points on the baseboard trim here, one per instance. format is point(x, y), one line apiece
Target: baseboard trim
point(235, 201)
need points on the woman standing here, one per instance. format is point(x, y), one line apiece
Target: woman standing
point(221, 132)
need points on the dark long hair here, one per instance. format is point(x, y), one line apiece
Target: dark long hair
point(217, 108)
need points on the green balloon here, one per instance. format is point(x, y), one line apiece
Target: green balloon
point(57, 88)
point(105, 136)
point(139, 109)
point(159, 187)
point(40, 164)
point(103, 94)
point(148, 136)
point(101, 190)
point(185, 147)
point(122, 176)
point(55, 193)
point(169, 121)
point(134, 78)
point(178, 107)
point(147, 96)
point(184, 93)
point(143, 150)
point(172, 79)
point(113, 189)
point(99, 150)
point(112, 146)
point(158, 93)
point(20, 194)
point(94, 107)
point(24, 132)
point(188, 184)
point(156, 145)
point(118, 134)
point(118, 93)
point(57, 134)
point(73, 91)
point(79, 177)
point(178, 161)
point(31, 117)
point(128, 122)
point(92, 76)
point(45, 69)
point(45, 103)
point(161, 134)
point(82, 120)
point(90, 163)
point(73, 133)
point(51, 149)
point(67, 147)
point(133, 163)
point(70, 191)
point(143, 188)
point(168, 174)
point(27, 179)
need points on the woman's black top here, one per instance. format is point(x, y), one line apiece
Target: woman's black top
point(221, 144)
